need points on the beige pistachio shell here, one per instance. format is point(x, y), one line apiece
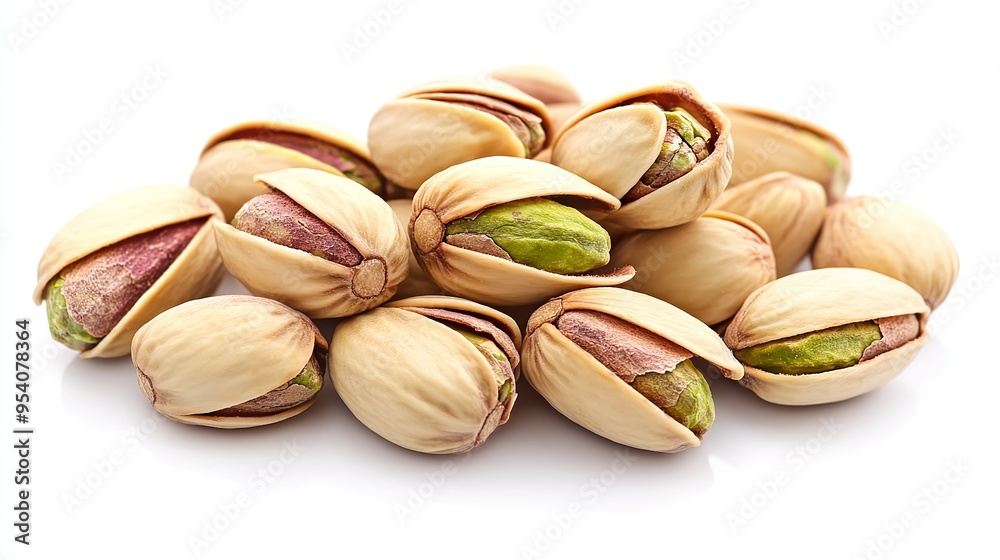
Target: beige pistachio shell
point(891, 237)
point(417, 283)
point(226, 169)
point(544, 83)
point(586, 392)
point(195, 273)
point(318, 287)
point(428, 388)
point(788, 207)
point(814, 300)
point(613, 142)
point(210, 354)
point(468, 188)
point(412, 139)
point(706, 267)
point(768, 141)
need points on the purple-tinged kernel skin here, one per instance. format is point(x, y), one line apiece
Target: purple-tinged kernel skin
point(279, 219)
point(103, 286)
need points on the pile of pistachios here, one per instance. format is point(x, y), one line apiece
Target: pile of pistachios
point(645, 242)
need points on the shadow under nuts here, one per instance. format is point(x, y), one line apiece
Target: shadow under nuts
point(444, 377)
point(115, 266)
point(230, 362)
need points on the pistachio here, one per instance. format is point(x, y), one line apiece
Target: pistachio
point(768, 141)
point(787, 207)
point(536, 232)
point(891, 237)
point(619, 363)
point(826, 335)
point(512, 232)
point(230, 159)
point(663, 151)
point(337, 247)
point(116, 265)
point(547, 85)
point(447, 122)
point(444, 377)
point(417, 283)
point(658, 369)
point(91, 295)
point(230, 362)
point(706, 267)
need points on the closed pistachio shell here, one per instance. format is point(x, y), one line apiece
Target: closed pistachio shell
point(233, 157)
point(195, 272)
point(706, 267)
point(467, 189)
point(891, 237)
point(545, 84)
point(814, 300)
point(196, 359)
point(428, 389)
point(614, 142)
point(584, 390)
point(416, 135)
point(788, 207)
point(316, 286)
point(767, 141)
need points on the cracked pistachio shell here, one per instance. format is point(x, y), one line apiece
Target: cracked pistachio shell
point(814, 300)
point(788, 207)
point(706, 267)
point(413, 138)
point(417, 283)
point(230, 161)
point(210, 354)
point(588, 393)
point(768, 141)
point(613, 142)
point(313, 285)
point(468, 188)
point(428, 388)
point(195, 273)
point(547, 85)
point(891, 237)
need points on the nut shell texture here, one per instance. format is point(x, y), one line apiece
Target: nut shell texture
point(586, 392)
point(213, 353)
point(195, 273)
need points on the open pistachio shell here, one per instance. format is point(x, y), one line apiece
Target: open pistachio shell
point(204, 356)
point(613, 143)
point(768, 141)
point(547, 85)
point(814, 300)
point(415, 136)
point(706, 267)
point(891, 237)
point(788, 207)
point(588, 393)
point(230, 160)
point(465, 190)
point(314, 285)
point(194, 273)
point(428, 388)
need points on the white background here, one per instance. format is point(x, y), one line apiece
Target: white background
point(910, 87)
